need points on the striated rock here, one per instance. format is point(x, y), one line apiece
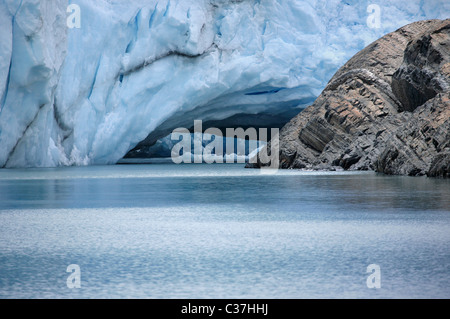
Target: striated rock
point(387, 109)
point(421, 145)
point(425, 69)
point(440, 167)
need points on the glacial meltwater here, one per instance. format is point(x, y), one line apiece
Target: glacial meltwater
point(221, 231)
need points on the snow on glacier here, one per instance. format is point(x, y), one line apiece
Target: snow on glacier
point(89, 95)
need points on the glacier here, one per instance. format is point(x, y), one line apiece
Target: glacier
point(136, 70)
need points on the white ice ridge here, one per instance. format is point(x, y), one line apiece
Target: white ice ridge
point(80, 96)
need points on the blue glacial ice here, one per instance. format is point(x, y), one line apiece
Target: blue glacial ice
point(135, 70)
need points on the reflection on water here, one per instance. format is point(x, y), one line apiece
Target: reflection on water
point(221, 231)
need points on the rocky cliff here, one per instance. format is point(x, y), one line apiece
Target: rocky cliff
point(387, 109)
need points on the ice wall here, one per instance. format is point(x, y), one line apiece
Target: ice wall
point(136, 69)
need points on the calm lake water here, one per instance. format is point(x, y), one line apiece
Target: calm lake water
point(221, 231)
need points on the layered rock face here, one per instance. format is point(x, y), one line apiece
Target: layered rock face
point(387, 109)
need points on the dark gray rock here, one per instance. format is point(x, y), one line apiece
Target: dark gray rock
point(387, 109)
point(440, 167)
point(421, 145)
point(425, 69)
